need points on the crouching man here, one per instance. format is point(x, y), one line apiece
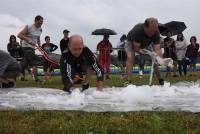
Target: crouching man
point(142, 36)
point(77, 60)
point(9, 70)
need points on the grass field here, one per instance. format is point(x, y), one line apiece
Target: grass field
point(77, 122)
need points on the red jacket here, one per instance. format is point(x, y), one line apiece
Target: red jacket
point(104, 48)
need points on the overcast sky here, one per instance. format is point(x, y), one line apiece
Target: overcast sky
point(84, 16)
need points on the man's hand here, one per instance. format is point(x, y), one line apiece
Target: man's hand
point(31, 42)
point(100, 86)
point(165, 61)
point(68, 88)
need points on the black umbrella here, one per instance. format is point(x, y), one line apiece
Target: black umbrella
point(104, 31)
point(162, 28)
point(174, 27)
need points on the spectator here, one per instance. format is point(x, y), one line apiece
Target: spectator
point(121, 54)
point(105, 48)
point(181, 47)
point(192, 52)
point(49, 48)
point(64, 42)
point(14, 48)
point(170, 52)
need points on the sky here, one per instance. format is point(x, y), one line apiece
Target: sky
point(84, 16)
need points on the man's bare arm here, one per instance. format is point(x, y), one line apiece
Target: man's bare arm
point(157, 50)
point(22, 35)
point(136, 46)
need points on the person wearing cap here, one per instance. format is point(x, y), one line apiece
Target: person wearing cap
point(143, 36)
point(64, 42)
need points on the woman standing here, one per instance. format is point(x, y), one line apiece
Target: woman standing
point(192, 53)
point(14, 48)
point(181, 47)
point(49, 48)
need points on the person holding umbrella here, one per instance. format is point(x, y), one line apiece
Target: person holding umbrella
point(144, 35)
point(105, 48)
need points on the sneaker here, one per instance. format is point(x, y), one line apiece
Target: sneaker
point(128, 82)
point(67, 90)
point(85, 87)
point(39, 81)
point(175, 75)
point(10, 84)
point(107, 77)
point(141, 74)
point(161, 82)
point(23, 79)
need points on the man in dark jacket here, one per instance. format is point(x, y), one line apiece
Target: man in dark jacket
point(9, 70)
point(77, 59)
point(64, 42)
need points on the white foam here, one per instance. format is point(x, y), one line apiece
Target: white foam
point(131, 98)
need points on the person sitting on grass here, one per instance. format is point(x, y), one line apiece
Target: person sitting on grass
point(9, 70)
point(77, 60)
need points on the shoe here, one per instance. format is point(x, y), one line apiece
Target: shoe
point(10, 84)
point(141, 74)
point(175, 75)
point(67, 90)
point(128, 82)
point(85, 87)
point(23, 79)
point(161, 81)
point(107, 77)
point(39, 81)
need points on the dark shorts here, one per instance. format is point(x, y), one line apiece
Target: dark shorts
point(30, 58)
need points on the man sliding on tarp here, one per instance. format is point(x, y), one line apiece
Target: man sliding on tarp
point(9, 70)
point(77, 60)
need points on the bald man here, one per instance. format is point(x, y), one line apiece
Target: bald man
point(143, 36)
point(77, 60)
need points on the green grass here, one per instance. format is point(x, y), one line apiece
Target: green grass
point(77, 122)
